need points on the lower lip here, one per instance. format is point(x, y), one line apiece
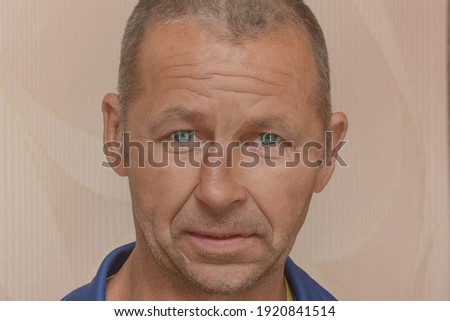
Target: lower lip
point(220, 245)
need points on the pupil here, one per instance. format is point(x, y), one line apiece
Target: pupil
point(268, 139)
point(183, 137)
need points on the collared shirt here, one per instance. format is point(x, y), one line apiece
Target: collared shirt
point(302, 286)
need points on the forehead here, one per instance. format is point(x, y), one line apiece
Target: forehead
point(283, 55)
point(182, 64)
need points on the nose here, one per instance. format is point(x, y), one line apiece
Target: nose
point(220, 187)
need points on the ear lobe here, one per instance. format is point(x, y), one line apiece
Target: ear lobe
point(323, 177)
point(337, 131)
point(112, 147)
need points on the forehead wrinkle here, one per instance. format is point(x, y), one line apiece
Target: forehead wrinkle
point(246, 92)
point(235, 73)
point(256, 86)
point(169, 67)
point(254, 78)
point(191, 90)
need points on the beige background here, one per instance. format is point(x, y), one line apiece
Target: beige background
point(381, 229)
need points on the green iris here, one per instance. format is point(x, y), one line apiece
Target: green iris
point(269, 139)
point(183, 136)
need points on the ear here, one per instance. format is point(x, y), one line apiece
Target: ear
point(112, 146)
point(334, 142)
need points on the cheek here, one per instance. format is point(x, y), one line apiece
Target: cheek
point(159, 193)
point(284, 195)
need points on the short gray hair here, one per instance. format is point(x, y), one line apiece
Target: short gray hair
point(243, 20)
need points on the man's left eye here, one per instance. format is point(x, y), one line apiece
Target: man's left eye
point(269, 139)
point(183, 136)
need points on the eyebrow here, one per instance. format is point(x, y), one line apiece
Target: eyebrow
point(180, 113)
point(173, 114)
point(272, 122)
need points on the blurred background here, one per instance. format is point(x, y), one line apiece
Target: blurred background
point(381, 229)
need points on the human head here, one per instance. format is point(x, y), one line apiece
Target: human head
point(222, 230)
point(234, 20)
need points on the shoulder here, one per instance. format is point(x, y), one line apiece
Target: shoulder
point(96, 289)
point(303, 287)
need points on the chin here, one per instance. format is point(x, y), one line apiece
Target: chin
point(226, 279)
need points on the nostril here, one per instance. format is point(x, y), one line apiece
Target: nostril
point(217, 193)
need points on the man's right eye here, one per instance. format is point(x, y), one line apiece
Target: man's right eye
point(183, 136)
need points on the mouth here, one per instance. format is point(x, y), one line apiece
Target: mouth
point(223, 236)
point(226, 235)
point(222, 243)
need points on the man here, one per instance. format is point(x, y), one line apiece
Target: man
point(239, 73)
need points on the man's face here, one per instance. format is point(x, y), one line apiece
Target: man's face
point(222, 229)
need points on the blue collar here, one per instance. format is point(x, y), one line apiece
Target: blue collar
point(303, 287)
